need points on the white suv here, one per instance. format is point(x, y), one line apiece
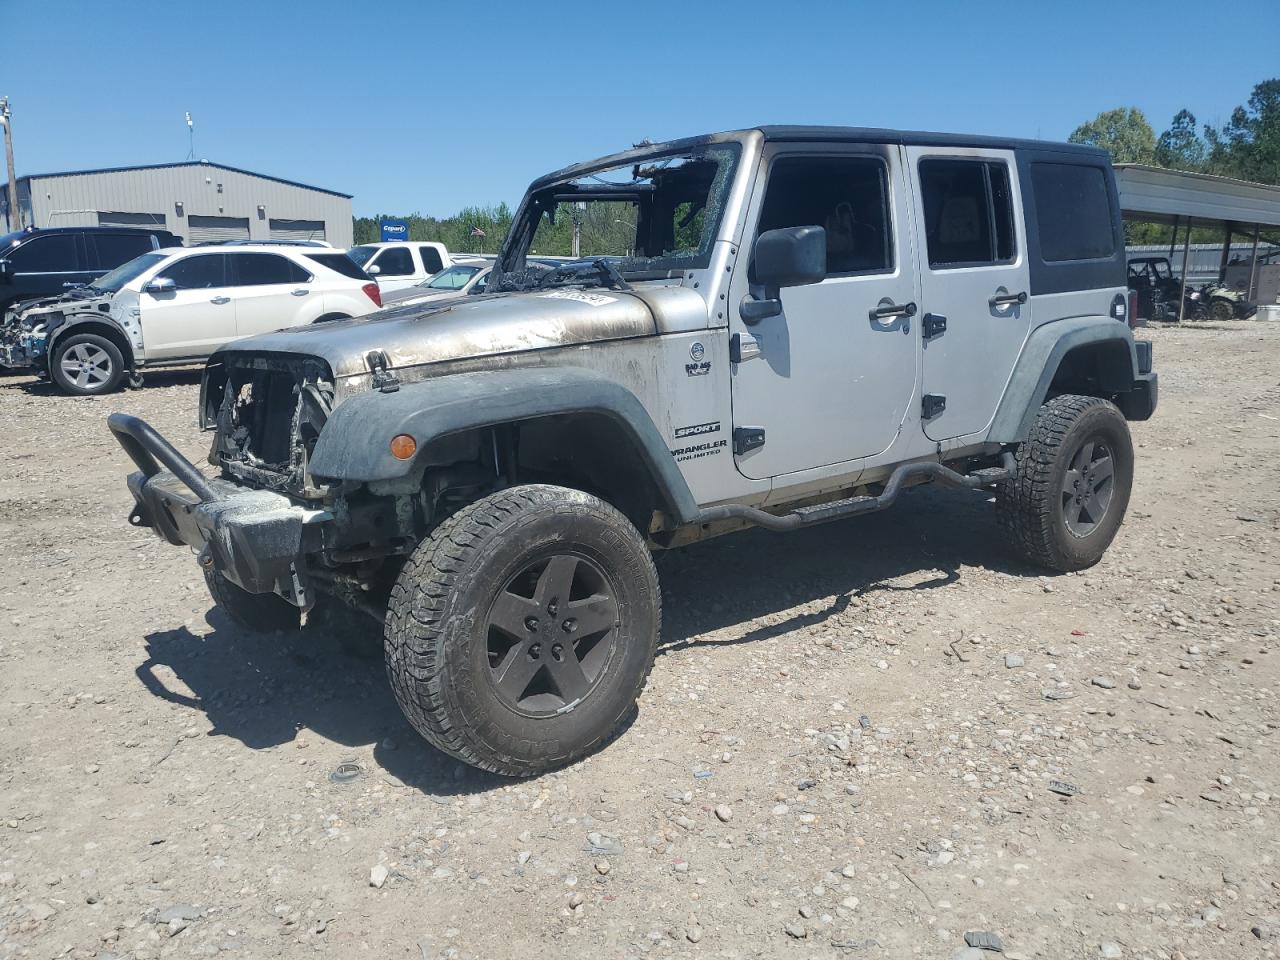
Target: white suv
point(177, 306)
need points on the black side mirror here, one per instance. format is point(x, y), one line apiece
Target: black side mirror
point(788, 257)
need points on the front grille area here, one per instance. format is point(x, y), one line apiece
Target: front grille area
point(267, 410)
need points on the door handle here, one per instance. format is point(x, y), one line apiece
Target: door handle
point(300, 293)
point(220, 300)
point(1007, 299)
point(887, 311)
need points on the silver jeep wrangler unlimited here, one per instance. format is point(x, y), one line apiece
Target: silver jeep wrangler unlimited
point(776, 327)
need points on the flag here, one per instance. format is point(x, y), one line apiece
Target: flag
point(477, 232)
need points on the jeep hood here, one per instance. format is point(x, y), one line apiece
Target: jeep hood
point(485, 326)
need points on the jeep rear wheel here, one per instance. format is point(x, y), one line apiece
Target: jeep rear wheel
point(1074, 473)
point(520, 633)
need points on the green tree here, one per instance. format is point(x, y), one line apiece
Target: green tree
point(1181, 147)
point(1124, 132)
point(1248, 146)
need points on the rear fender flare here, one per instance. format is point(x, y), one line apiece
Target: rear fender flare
point(355, 443)
point(1038, 364)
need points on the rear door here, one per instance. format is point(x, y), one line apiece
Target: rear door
point(270, 292)
point(196, 318)
point(974, 283)
point(432, 263)
point(108, 250)
point(829, 380)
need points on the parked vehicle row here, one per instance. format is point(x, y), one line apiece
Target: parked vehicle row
point(177, 306)
point(1158, 292)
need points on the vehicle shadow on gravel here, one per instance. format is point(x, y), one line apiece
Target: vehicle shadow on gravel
point(177, 377)
point(925, 539)
point(268, 691)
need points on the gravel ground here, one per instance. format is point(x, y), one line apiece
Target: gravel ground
point(863, 740)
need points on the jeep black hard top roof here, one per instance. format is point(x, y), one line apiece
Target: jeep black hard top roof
point(920, 138)
point(826, 135)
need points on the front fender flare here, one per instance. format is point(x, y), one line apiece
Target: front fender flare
point(355, 443)
point(1038, 363)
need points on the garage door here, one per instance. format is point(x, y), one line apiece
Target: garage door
point(109, 218)
point(216, 229)
point(297, 229)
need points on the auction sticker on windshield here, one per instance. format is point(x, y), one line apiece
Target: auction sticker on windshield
point(594, 299)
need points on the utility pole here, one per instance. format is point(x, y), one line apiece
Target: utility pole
point(15, 213)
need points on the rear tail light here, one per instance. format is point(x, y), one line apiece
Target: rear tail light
point(373, 293)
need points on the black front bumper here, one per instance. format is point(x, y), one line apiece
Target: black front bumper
point(257, 539)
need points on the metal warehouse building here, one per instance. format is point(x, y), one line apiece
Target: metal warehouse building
point(198, 200)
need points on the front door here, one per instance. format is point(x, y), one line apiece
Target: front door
point(829, 380)
point(194, 319)
point(974, 296)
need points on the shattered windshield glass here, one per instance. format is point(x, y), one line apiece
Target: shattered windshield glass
point(651, 219)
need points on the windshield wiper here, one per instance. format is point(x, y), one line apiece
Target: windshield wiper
point(606, 272)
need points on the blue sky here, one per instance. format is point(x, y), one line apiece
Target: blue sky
point(429, 107)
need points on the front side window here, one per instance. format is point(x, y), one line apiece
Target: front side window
point(394, 262)
point(1073, 211)
point(55, 253)
point(847, 196)
point(968, 212)
point(258, 269)
point(455, 278)
point(363, 254)
point(197, 273)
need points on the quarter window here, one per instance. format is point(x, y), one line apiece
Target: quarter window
point(394, 262)
point(847, 196)
point(1073, 212)
point(968, 212)
point(197, 273)
point(257, 269)
point(55, 253)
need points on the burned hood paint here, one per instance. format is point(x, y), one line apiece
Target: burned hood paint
point(486, 326)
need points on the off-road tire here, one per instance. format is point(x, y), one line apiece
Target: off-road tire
point(110, 365)
point(1030, 505)
point(438, 631)
point(357, 633)
point(1221, 311)
point(255, 612)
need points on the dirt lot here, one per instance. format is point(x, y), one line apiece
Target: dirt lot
point(848, 748)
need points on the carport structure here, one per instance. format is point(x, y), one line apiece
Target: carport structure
point(1185, 200)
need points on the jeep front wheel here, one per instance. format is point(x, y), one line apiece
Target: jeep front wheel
point(1074, 472)
point(520, 633)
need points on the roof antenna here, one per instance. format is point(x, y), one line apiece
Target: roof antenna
point(191, 137)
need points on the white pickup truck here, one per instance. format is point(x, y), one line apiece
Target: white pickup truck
point(397, 264)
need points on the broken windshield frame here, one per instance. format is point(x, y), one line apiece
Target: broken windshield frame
point(653, 217)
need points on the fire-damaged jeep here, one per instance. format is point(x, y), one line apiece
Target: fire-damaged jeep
point(775, 327)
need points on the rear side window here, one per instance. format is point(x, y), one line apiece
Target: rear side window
point(199, 272)
point(968, 215)
point(431, 261)
point(257, 269)
point(55, 253)
point(114, 249)
point(394, 262)
point(339, 263)
point(1073, 211)
point(847, 196)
